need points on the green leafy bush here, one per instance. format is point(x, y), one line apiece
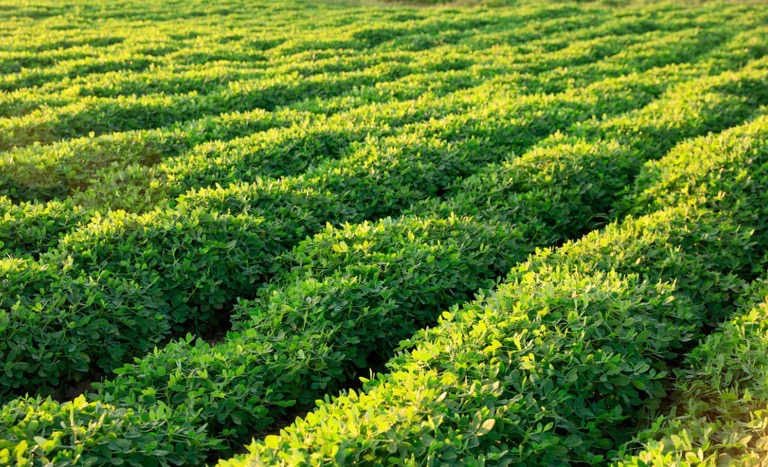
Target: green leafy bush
point(38, 431)
point(496, 132)
point(562, 361)
point(32, 229)
point(348, 273)
point(718, 411)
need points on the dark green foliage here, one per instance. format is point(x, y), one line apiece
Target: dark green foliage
point(371, 285)
point(58, 326)
point(718, 410)
point(381, 277)
point(31, 228)
point(551, 366)
point(562, 361)
point(62, 433)
point(374, 168)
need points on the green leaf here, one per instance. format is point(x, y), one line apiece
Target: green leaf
point(486, 427)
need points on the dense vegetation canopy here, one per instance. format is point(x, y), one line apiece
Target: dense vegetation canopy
point(322, 232)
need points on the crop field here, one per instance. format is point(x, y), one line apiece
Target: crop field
point(331, 232)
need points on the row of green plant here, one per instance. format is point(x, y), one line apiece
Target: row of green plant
point(125, 43)
point(105, 115)
point(562, 362)
point(493, 115)
point(140, 186)
point(280, 72)
point(57, 171)
point(177, 43)
point(307, 144)
point(39, 173)
point(232, 51)
point(573, 35)
point(200, 80)
point(290, 201)
point(564, 58)
point(289, 350)
point(551, 189)
point(42, 172)
point(204, 79)
point(117, 179)
point(718, 414)
point(223, 250)
point(28, 170)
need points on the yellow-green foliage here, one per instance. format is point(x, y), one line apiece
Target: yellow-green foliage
point(324, 179)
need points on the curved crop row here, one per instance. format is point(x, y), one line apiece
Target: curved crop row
point(345, 273)
point(496, 117)
point(718, 414)
point(564, 359)
point(201, 80)
point(192, 261)
point(126, 113)
point(54, 171)
point(322, 134)
point(356, 277)
point(492, 127)
point(30, 175)
point(178, 78)
point(490, 133)
point(179, 42)
point(44, 172)
point(144, 186)
point(36, 172)
point(113, 84)
point(98, 116)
